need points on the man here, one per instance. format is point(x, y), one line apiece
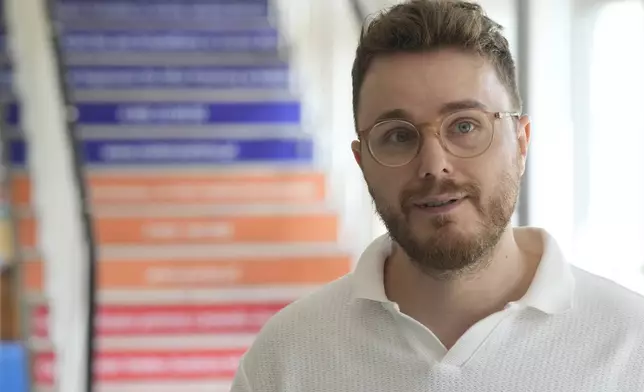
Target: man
point(453, 298)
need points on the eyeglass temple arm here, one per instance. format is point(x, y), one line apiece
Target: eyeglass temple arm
point(507, 114)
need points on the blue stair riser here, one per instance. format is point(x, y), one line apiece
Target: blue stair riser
point(176, 10)
point(184, 113)
point(186, 152)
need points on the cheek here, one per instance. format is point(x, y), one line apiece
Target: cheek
point(508, 147)
point(385, 183)
point(491, 176)
point(484, 173)
point(502, 158)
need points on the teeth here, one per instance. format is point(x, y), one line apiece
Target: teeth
point(437, 204)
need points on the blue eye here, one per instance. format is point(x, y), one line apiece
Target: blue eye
point(464, 127)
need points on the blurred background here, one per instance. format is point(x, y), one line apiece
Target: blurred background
point(193, 156)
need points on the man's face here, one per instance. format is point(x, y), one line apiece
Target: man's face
point(482, 190)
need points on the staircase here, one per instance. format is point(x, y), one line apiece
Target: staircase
point(210, 204)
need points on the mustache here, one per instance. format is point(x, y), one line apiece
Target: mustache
point(434, 186)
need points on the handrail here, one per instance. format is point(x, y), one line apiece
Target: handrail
point(79, 179)
point(359, 12)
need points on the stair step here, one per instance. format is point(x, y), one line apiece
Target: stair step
point(166, 11)
point(193, 188)
point(133, 78)
point(165, 343)
point(185, 152)
point(167, 386)
point(188, 95)
point(185, 59)
point(189, 273)
point(242, 228)
point(192, 295)
point(173, 95)
point(123, 325)
point(177, 113)
point(106, 43)
point(223, 133)
point(184, 132)
point(230, 24)
point(171, 252)
point(151, 365)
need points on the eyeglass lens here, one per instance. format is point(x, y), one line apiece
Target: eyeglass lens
point(464, 134)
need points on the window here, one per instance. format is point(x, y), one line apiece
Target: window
point(611, 241)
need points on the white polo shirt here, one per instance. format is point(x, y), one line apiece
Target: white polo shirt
point(572, 331)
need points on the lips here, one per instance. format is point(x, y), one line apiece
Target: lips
point(438, 201)
point(434, 204)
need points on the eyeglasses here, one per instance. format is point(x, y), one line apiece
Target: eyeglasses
point(464, 134)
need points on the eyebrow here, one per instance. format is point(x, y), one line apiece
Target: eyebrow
point(462, 105)
point(395, 114)
point(398, 114)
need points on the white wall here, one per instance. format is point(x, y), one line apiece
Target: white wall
point(551, 194)
point(609, 163)
point(323, 36)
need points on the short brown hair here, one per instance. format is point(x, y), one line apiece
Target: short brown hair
point(427, 25)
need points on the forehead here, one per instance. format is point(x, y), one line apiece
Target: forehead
point(422, 83)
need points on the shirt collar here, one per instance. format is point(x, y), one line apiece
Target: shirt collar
point(369, 275)
point(551, 290)
point(553, 286)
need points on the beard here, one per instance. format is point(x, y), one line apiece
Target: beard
point(446, 253)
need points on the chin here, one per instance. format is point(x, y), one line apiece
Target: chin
point(449, 232)
point(448, 223)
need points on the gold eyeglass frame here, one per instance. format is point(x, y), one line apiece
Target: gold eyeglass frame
point(363, 135)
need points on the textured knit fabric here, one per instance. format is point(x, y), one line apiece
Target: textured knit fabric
point(585, 334)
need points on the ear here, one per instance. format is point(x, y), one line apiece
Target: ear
point(524, 140)
point(357, 155)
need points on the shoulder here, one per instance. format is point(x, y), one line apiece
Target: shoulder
point(304, 329)
point(612, 304)
point(313, 313)
point(298, 325)
point(612, 325)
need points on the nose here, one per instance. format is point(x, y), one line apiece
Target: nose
point(433, 158)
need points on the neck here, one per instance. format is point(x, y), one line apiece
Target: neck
point(464, 299)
